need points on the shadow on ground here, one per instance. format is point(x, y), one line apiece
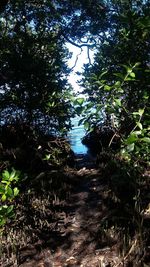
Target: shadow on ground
point(83, 224)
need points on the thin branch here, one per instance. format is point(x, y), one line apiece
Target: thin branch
point(115, 134)
point(88, 54)
point(77, 57)
point(78, 45)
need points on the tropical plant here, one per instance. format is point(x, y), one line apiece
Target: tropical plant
point(117, 84)
point(8, 192)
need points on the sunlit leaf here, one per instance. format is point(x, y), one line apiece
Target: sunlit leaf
point(118, 102)
point(132, 74)
point(141, 112)
point(16, 191)
point(3, 197)
point(137, 64)
point(132, 138)
point(107, 88)
point(80, 101)
point(129, 70)
point(139, 124)
point(137, 132)
point(146, 139)
point(129, 79)
point(120, 90)
point(6, 175)
point(12, 174)
point(130, 147)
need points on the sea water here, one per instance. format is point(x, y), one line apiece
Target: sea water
point(75, 136)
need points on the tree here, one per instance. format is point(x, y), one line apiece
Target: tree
point(126, 45)
point(33, 57)
point(33, 71)
point(117, 84)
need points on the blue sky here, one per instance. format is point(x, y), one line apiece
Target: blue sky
point(82, 59)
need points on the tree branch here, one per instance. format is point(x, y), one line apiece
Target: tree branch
point(88, 53)
point(77, 57)
point(79, 45)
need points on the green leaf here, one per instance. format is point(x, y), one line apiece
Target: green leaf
point(98, 83)
point(99, 107)
point(130, 147)
point(135, 113)
point(47, 157)
point(141, 112)
point(139, 125)
point(6, 175)
point(2, 221)
point(4, 197)
point(12, 175)
point(132, 74)
point(117, 84)
point(2, 189)
point(137, 132)
point(146, 139)
point(51, 104)
point(118, 102)
point(101, 86)
point(102, 74)
point(131, 139)
point(107, 88)
point(4, 207)
point(119, 75)
point(128, 79)
point(137, 64)
point(86, 125)
point(9, 192)
point(4, 182)
point(16, 191)
point(93, 76)
point(72, 98)
point(129, 70)
point(80, 101)
point(10, 209)
point(120, 90)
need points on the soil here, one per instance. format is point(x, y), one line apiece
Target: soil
point(70, 230)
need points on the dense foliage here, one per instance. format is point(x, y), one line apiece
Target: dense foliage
point(118, 81)
point(36, 107)
point(35, 96)
point(33, 71)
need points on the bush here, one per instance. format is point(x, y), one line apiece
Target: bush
point(8, 192)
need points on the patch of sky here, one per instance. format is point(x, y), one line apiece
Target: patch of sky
point(76, 62)
point(78, 59)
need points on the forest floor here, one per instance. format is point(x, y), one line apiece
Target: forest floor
point(71, 229)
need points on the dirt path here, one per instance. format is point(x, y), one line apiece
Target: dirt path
point(79, 239)
point(72, 232)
